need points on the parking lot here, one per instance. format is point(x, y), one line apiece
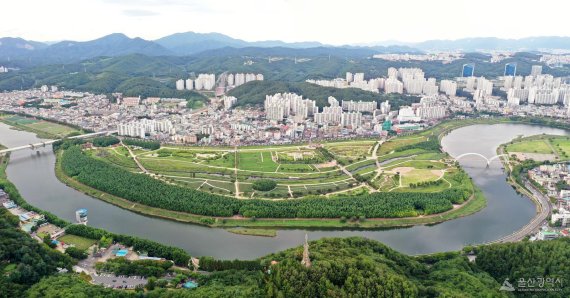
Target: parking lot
point(118, 282)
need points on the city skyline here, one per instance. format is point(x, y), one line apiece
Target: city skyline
point(362, 23)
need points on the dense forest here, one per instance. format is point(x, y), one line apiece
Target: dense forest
point(152, 192)
point(253, 93)
point(150, 145)
point(533, 262)
point(341, 267)
point(23, 260)
point(105, 141)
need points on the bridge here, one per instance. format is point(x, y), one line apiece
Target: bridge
point(49, 142)
point(488, 160)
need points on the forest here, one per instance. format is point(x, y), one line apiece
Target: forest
point(341, 267)
point(152, 192)
point(23, 260)
point(150, 145)
point(105, 141)
point(146, 268)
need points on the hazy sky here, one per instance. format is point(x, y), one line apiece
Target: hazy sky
point(327, 21)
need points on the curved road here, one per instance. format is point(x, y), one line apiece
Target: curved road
point(544, 209)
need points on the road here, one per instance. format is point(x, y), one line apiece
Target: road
point(544, 209)
point(135, 159)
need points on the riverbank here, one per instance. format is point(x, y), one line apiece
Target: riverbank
point(43, 129)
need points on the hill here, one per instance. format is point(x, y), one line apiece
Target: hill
point(341, 267)
point(494, 44)
point(17, 48)
point(111, 45)
point(23, 53)
point(348, 267)
point(253, 93)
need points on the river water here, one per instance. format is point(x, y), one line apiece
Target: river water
point(33, 173)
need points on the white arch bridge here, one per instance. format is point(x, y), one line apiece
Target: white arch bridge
point(43, 144)
point(488, 160)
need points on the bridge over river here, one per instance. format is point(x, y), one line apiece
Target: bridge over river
point(49, 142)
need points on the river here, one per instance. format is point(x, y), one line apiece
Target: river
point(33, 174)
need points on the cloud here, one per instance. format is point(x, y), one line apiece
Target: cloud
point(139, 13)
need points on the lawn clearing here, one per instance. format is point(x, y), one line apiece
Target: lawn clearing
point(81, 243)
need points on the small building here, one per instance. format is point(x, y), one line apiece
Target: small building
point(547, 235)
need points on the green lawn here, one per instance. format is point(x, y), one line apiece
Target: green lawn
point(79, 242)
point(257, 161)
point(562, 146)
point(530, 146)
point(418, 175)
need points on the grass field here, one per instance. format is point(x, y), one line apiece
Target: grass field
point(43, 129)
point(81, 243)
point(532, 146)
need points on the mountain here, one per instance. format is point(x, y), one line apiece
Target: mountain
point(16, 48)
point(21, 53)
point(191, 42)
point(187, 43)
point(493, 43)
point(115, 44)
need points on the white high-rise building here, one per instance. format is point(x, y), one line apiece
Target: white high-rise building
point(230, 79)
point(291, 103)
point(198, 84)
point(250, 77)
point(229, 101)
point(349, 77)
point(485, 85)
point(189, 84)
point(360, 106)
point(513, 101)
point(180, 85)
point(470, 85)
point(329, 116)
point(392, 85)
point(392, 73)
point(358, 77)
point(239, 79)
point(207, 81)
point(352, 119)
point(543, 96)
point(536, 70)
point(333, 102)
point(449, 87)
point(385, 107)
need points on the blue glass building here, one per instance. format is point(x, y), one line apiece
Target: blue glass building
point(468, 70)
point(510, 69)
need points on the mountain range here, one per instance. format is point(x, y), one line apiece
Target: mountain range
point(216, 44)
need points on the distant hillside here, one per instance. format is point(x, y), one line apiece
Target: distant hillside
point(33, 53)
point(253, 93)
point(23, 53)
point(493, 43)
point(17, 48)
point(111, 45)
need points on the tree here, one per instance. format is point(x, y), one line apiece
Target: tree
point(76, 253)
